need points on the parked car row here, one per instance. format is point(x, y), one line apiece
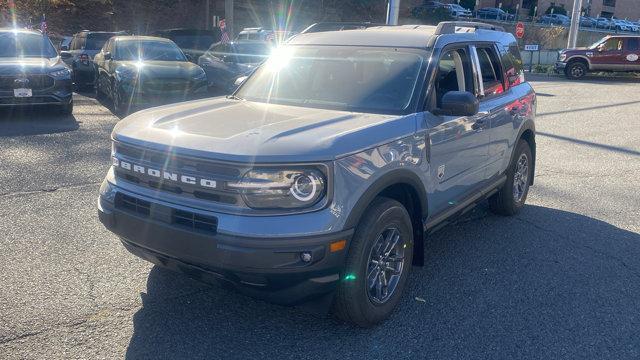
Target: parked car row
point(590, 22)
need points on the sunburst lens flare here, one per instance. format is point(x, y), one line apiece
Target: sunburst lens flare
point(279, 59)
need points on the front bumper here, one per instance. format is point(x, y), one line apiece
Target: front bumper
point(84, 74)
point(267, 268)
point(140, 97)
point(560, 66)
point(60, 93)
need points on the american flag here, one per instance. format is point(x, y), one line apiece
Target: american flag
point(43, 24)
point(224, 38)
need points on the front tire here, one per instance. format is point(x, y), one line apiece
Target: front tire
point(119, 107)
point(576, 70)
point(512, 195)
point(377, 266)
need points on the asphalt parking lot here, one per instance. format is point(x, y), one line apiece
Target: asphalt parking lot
point(560, 280)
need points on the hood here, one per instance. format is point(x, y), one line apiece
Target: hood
point(575, 51)
point(12, 66)
point(251, 132)
point(161, 69)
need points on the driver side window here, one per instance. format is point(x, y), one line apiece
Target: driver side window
point(613, 44)
point(454, 74)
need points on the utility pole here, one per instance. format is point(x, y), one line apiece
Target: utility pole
point(575, 24)
point(228, 16)
point(393, 11)
point(207, 13)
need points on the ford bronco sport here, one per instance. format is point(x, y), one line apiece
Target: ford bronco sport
point(322, 174)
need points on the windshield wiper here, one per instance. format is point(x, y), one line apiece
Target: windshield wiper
point(233, 97)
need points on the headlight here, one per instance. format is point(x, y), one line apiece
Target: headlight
point(563, 57)
point(60, 74)
point(281, 189)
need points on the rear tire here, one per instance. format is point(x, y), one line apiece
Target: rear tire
point(512, 195)
point(362, 298)
point(576, 70)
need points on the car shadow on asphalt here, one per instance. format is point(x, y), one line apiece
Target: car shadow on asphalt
point(544, 282)
point(35, 121)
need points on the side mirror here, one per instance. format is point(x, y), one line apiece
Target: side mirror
point(64, 47)
point(65, 55)
point(189, 57)
point(458, 103)
point(600, 48)
point(107, 56)
point(240, 80)
point(228, 59)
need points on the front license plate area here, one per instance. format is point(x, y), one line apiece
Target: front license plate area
point(22, 93)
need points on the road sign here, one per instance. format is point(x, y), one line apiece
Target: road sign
point(532, 47)
point(520, 30)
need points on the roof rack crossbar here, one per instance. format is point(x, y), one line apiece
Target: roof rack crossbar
point(451, 27)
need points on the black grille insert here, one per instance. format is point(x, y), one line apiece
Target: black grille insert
point(35, 82)
point(195, 221)
point(132, 204)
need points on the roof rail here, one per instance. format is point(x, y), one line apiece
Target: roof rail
point(451, 27)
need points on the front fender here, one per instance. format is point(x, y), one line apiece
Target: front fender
point(394, 177)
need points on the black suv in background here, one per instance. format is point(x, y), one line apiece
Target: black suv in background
point(80, 52)
point(145, 71)
point(31, 72)
point(193, 42)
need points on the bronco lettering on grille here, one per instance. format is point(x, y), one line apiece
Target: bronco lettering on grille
point(165, 175)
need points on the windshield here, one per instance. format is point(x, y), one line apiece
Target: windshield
point(148, 50)
point(355, 79)
point(25, 45)
point(597, 43)
point(97, 41)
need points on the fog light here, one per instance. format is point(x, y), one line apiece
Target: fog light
point(305, 257)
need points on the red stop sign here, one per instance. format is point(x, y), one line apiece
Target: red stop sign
point(519, 30)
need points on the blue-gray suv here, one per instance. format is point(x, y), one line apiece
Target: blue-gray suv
point(320, 177)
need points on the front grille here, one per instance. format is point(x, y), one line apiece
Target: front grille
point(176, 162)
point(165, 85)
point(171, 162)
point(132, 204)
point(194, 221)
point(35, 82)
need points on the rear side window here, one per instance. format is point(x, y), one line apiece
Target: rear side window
point(633, 44)
point(491, 71)
point(512, 63)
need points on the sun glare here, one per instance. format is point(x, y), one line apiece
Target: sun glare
point(279, 59)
